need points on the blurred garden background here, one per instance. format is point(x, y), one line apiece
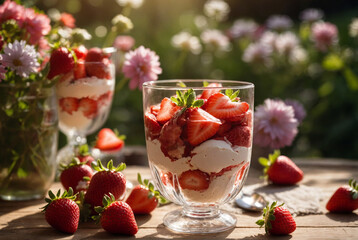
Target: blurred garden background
point(322, 77)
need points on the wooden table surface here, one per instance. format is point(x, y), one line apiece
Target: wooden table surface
point(24, 220)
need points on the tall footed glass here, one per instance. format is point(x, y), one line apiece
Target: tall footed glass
point(199, 140)
point(84, 100)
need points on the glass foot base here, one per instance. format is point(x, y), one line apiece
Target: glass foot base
point(177, 221)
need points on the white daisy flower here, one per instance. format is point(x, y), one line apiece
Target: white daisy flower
point(258, 53)
point(185, 41)
point(21, 58)
point(286, 42)
point(215, 40)
point(130, 3)
point(216, 9)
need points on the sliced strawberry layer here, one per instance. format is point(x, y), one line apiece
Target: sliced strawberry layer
point(224, 128)
point(105, 98)
point(244, 119)
point(194, 180)
point(167, 110)
point(221, 106)
point(201, 126)
point(69, 104)
point(89, 107)
point(239, 136)
point(152, 125)
point(208, 92)
point(154, 109)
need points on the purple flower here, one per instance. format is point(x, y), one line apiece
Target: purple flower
point(325, 35)
point(279, 22)
point(300, 112)
point(275, 125)
point(258, 53)
point(311, 15)
point(243, 28)
point(141, 65)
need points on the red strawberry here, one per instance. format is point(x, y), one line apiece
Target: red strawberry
point(241, 172)
point(94, 55)
point(105, 181)
point(239, 136)
point(344, 199)
point(281, 170)
point(108, 140)
point(167, 178)
point(201, 126)
point(277, 220)
point(152, 125)
point(105, 98)
point(155, 109)
point(244, 119)
point(116, 216)
point(79, 71)
point(81, 52)
point(97, 64)
point(167, 110)
point(224, 128)
point(69, 104)
point(84, 155)
point(194, 180)
point(208, 92)
point(76, 175)
point(143, 199)
point(88, 106)
point(221, 106)
point(61, 212)
point(61, 62)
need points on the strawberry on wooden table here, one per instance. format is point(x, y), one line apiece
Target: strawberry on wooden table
point(344, 199)
point(62, 212)
point(75, 175)
point(277, 220)
point(84, 155)
point(61, 62)
point(108, 140)
point(280, 169)
point(105, 181)
point(116, 216)
point(143, 198)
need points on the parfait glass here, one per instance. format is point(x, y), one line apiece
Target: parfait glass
point(199, 156)
point(84, 101)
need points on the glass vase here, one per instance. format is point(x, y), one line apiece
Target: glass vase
point(28, 140)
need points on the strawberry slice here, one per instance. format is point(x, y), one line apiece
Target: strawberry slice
point(79, 70)
point(239, 136)
point(244, 119)
point(194, 180)
point(89, 107)
point(108, 140)
point(81, 52)
point(201, 126)
point(221, 106)
point(208, 92)
point(69, 104)
point(105, 98)
point(152, 124)
point(61, 62)
point(154, 109)
point(167, 110)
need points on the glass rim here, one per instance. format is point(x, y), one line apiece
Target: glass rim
point(232, 84)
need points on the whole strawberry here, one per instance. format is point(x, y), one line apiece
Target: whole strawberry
point(116, 216)
point(280, 169)
point(143, 199)
point(277, 220)
point(61, 212)
point(76, 175)
point(344, 199)
point(61, 62)
point(84, 155)
point(105, 181)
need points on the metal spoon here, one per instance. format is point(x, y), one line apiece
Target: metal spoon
point(253, 202)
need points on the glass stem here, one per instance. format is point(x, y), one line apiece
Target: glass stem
point(75, 140)
point(201, 211)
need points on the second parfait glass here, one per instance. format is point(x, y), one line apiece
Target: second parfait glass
point(199, 140)
point(84, 100)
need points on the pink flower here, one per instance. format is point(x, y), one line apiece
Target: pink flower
point(299, 110)
point(67, 20)
point(324, 35)
point(124, 43)
point(37, 25)
point(275, 125)
point(141, 65)
point(11, 10)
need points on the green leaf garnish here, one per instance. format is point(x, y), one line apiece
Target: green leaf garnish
point(232, 95)
point(187, 99)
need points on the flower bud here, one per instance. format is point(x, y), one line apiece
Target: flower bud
point(80, 35)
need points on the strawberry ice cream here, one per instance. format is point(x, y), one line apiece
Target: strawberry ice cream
point(201, 153)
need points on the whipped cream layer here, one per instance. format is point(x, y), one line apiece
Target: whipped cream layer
point(91, 87)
